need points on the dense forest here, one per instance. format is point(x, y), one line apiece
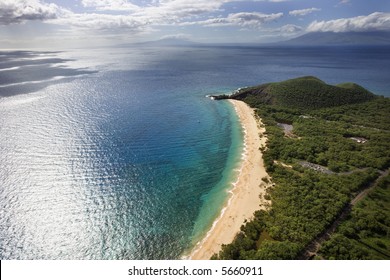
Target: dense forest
point(365, 233)
point(330, 156)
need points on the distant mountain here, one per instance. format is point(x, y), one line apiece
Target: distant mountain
point(169, 42)
point(341, 38)
point(302, 93)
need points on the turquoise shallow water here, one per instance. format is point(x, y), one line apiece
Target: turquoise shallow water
point(214, 200)
point(118, 154)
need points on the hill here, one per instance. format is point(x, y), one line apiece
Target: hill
point(341, 38)
point(303, 93)
point(330, 192)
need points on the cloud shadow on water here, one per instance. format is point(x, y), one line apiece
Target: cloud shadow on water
point(29, 71)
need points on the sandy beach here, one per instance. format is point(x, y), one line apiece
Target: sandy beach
point(244, 197)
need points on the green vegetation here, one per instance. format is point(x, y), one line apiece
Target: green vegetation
point(306, 200)
point(366, 232)
point(304, 93)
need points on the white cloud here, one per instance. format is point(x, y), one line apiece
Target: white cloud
point(374, 21)
point(102, 22)
point(290, 28)
point(18, 11)
point(253, 20)
point(180, 36)
point(165, 11)
point(110, 5)
point(125, 16)
point(303, 12)
point(343, 2)
point(287, 30)
point(168, 11)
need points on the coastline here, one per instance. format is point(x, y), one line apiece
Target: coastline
point(245, 195)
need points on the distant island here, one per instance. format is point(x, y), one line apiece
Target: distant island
point(308, 40)
point(311, 39)
point(168, 42)
point(340, 38)
point(327, 155)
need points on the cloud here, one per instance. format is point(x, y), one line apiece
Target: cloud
point(169, 11)
point(110, 5)
point(174, 11)
point(253, 20)
point(372, 22)
point(102, 22)
point(159, 12)
point(180, 36)
point(18, 11)
point(343, 2)
point(125, 16)
point(290, 28)
point(303, 12)
point(287, 30)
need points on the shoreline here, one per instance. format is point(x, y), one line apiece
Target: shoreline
point(245, 195)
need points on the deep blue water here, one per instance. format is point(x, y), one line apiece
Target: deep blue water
point(117, 154)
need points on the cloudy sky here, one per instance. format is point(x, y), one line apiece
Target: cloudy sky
point(55, 23)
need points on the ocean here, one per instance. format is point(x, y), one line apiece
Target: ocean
point(118, 153)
